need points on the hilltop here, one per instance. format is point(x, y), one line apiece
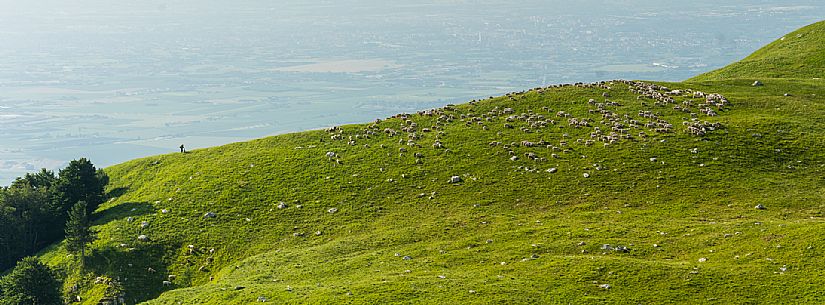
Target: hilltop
point(617, 191)
point(796, 55)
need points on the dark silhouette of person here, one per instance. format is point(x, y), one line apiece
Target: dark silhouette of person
point(182, 149)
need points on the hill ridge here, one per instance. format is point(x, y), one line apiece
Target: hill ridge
point(799, 54)
point(609, 191)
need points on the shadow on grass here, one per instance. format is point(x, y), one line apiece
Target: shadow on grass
point(123, 210)
point(117, 192)
point(138, 267)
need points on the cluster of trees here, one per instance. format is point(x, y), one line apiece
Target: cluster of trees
point(39, 209)
point(35, 208)
point(31, 282)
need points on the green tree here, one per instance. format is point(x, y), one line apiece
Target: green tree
point(78, 231)
point(27, 223)
point(10, 250)
point(31, 282)
point(40, 180)
point(80, 181)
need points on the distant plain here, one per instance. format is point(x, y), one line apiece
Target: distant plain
point(114, 82)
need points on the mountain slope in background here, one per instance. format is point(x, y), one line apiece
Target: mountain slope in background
point(610, 192)
point(795, 55)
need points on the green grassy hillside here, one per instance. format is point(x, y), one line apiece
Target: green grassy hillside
point(800, 54)
point(512, 199)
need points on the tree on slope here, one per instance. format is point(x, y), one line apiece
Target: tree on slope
point(78, 231)
point(26, 223)
point(80, 181)
point(40, 180)
point(30, 283)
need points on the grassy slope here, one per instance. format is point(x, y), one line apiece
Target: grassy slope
point(474, 241)
point(796, 55)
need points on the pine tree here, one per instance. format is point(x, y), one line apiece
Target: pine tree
point(78, 231)
point(80, 181)
point(30, 283)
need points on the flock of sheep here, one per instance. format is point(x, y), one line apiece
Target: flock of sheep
point(608, 122)
point(605, 121)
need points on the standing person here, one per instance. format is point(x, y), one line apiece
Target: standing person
point(182, 149)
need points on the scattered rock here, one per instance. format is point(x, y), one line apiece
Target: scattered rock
point(164, 211)
point(209, 215)
point(760, 207)
point(130, 219)
point(143, 237)
point(621, 248)
point(262, 299)
point(455, 179)
point(407, 257)
point(552, 170)
point(332, 210)
point(144, 224)
point(281, 205)
point(618, 248)
point(586, 175)
point(757, 84)
point(702, 260)
point(604, 286)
